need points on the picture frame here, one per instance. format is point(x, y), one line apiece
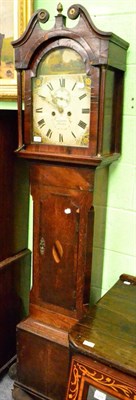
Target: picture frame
point(17, 14)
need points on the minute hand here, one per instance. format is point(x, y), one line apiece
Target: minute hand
point(52, 103)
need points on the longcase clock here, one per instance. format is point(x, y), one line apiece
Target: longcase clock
point(71, 82)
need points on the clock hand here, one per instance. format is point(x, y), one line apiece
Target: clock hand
point(45, 98)
point(52, 103)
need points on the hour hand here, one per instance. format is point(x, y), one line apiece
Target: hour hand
point(45, 98)
point(42, 96)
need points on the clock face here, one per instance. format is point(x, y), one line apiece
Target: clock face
point(61, 102)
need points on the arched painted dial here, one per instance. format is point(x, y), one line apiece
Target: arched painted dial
point(61, 110)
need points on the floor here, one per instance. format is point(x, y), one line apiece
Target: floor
point(6, 385)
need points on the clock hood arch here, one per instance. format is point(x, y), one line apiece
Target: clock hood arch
point(55, 45)
point(34, 36)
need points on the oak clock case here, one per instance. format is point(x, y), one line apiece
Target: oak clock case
point(71, 124)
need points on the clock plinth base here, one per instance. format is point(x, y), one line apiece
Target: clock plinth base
point(43, 360)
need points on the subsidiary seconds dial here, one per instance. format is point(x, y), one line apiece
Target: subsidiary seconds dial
point(61, 110)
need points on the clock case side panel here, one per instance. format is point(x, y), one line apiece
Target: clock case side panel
point(110, 121)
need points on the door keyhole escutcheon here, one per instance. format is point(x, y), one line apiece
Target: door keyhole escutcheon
point(42, 246)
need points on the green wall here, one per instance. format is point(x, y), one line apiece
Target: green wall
point(120, 239)
point(119, 249)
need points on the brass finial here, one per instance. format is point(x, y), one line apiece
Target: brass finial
point(59, 8)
